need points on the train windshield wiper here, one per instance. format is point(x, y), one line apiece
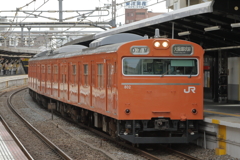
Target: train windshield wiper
point(165, 73)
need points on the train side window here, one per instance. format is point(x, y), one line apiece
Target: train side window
point(93, 74)
point(56, 69)
point(43, 69)
point(74, 72)
point(100, 76)
point(85, 74)
point(49, 69)
point(109, 78)
point(80, 74)
point(74, 69)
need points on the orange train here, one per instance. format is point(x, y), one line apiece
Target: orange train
point(141, 90)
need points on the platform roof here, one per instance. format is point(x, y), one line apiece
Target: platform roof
point(18, 51)
point(194, 19)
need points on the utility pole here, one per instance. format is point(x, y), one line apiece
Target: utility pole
point(60, 11)
point(29, 37)
point(113, 13)
point(22, 27)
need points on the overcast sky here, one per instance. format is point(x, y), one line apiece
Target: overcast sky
point(70, 5)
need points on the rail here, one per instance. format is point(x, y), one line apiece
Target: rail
point(41, 136)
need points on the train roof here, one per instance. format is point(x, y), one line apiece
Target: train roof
point(117, 38)
point(87, 51)
point(106, 44)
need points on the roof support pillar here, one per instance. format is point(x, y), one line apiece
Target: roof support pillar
point(29, 40)
point(21, 41)
point(172, 30)
point(60, 11)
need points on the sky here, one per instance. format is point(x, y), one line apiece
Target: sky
point(70, 5)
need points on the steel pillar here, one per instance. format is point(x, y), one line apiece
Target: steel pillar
point(222, 77)
point(172, 30)
point(113, 13)
point(60, 11)
point(29, 40)
point(21, 41)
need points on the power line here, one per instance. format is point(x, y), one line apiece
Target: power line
point(35, 10)
point(16, 13)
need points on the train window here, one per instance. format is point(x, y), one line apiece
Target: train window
point(109, 74)
point(85, 74)
point(74, 72)
point(160, 66)
point(93, 74)
point(74, 69)
point(43, 69)
point(100, 75)
point(49, 69)
point(56, 69)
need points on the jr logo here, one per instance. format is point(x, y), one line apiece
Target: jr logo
point(190, 88)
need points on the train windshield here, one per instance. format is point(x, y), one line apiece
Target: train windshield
point(160, 66)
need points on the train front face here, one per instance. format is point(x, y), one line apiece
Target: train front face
point(160, 91)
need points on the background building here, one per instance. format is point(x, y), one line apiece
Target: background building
point(137, 10)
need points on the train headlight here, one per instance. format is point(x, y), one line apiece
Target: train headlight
point(161, 44)
point(157, 44)
point(165, 44)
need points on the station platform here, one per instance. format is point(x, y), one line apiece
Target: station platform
point(13, 81)
point(221, 128)
point(12, 77)
point(9, 150)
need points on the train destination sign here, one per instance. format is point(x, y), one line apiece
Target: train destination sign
point(139, 50)
point(182, 49)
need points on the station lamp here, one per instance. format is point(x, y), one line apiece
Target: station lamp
point(234, 25)
point(213, 28)
point(184, 33)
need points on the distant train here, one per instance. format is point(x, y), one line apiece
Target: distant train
point(141, 90)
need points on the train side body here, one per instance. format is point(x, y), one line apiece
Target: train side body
point(131, 89)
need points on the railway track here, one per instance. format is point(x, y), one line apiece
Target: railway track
point(23, 149)
point(145, 154)
point(104, 137)
point(54, 148)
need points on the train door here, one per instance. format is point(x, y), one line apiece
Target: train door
point(51, 80)
point(92, 79)
point(114, 88)
point(62, 81)
point(58, 72)
point(38, 77)
point(42, 80)
point(79, 80)
point(65, 84)
point(48, 80)
point(108, 84)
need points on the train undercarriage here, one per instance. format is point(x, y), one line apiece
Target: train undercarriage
point(156, 130)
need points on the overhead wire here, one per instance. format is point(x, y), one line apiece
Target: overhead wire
point(36, 9)
point(45, 1)
point(16, 13)
point(119, 4)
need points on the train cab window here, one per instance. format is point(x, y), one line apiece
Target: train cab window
point(160, 66)
point(85, 74)
point(100, 75)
